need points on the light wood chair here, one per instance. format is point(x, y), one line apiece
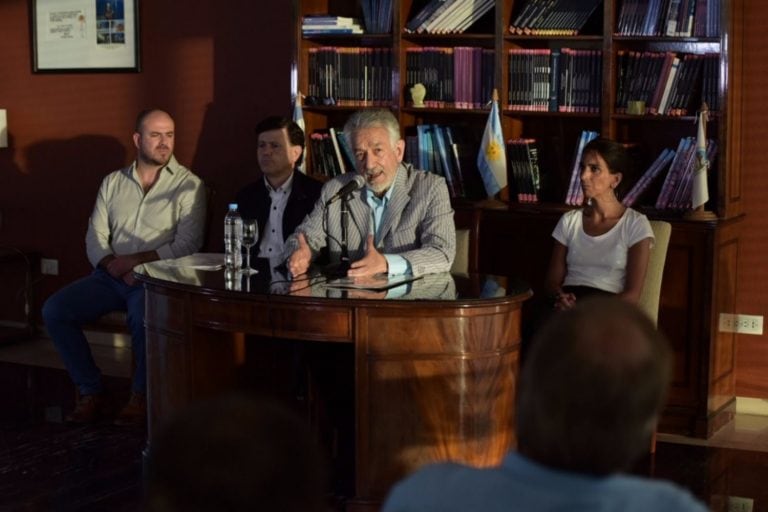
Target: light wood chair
point(461, 261)
point(651, 294)
point(467, 241)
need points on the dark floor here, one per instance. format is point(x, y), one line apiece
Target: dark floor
point(48, 465)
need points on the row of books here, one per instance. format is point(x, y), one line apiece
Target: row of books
point(323, 24)
point(448, 16)
point(349, 76)
point(668, 83)
point(458, 77)
point(435, 148)
point(558, 80)
point(553, 17)
point(331, 153)
point(672, 18)
point(675, 193)
point(523, 165)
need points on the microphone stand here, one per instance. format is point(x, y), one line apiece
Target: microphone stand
point(344, 258)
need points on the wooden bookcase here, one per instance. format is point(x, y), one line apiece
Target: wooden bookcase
point(700, 275)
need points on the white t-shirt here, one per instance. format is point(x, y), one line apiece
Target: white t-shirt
point(600, 261)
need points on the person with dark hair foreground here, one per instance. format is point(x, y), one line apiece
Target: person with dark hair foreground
point(588, 401)
point(235, 453)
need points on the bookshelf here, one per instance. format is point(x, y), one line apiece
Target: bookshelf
point(700, 277)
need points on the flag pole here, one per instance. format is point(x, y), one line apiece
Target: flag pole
point(298, 118)
point(699, 193)
point(504, 192)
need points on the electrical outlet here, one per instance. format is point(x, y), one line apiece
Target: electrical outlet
point(49, 267)
point(743, 324)
point(739, 504)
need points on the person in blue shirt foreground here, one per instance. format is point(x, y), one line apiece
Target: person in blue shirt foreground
point(588, 402)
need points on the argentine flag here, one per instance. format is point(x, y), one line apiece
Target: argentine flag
point(492, 159)
point(298, 118)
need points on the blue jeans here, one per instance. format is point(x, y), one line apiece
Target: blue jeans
point(84, 301)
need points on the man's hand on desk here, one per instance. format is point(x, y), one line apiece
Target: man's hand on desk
point(299, 261)
point(372, 263)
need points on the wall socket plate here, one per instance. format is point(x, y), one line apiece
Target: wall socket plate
point(742, 324)
point(49, 267)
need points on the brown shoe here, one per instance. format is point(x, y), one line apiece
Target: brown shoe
point(134, 414)
point(89, 408)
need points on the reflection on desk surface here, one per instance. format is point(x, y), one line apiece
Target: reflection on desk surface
point(271, 280)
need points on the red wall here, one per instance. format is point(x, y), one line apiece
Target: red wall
point(752, 297)
point(218, 68)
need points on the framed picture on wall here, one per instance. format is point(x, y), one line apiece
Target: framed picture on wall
point(85, 36)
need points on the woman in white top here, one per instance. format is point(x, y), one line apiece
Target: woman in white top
point(603, 247)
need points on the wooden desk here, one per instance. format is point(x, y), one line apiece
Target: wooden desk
point(435, 370)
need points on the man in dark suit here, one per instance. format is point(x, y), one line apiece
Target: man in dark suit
point(284, 196)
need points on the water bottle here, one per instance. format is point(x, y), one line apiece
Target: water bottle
point(233, 231)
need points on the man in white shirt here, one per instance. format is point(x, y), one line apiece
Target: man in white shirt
point(153, 209)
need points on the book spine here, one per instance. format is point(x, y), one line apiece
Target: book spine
point(672, 175)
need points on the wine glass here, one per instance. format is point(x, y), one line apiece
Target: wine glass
point(249, 239)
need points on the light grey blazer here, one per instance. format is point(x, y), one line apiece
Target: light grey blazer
point(418, 224)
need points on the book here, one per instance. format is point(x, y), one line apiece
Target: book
point(326, 19)
point(341, 164)
point(554, 80)
point(653, 171)
point(671, 77)
point(453, 149)
point(675, 172)
point(316, 30)
point(443, 157)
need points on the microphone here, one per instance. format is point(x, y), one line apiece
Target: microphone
point(356, 183)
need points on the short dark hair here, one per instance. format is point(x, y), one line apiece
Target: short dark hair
point(592, 388)
point(295, 133)
point(235, 453)
point(144, 114)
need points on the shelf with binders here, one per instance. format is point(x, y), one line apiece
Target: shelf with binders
point(667, 80)
point(546, 76)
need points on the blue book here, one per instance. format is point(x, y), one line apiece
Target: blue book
point(443, 157)
point(423, 15)
point(323, 19)
point(330, 31)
